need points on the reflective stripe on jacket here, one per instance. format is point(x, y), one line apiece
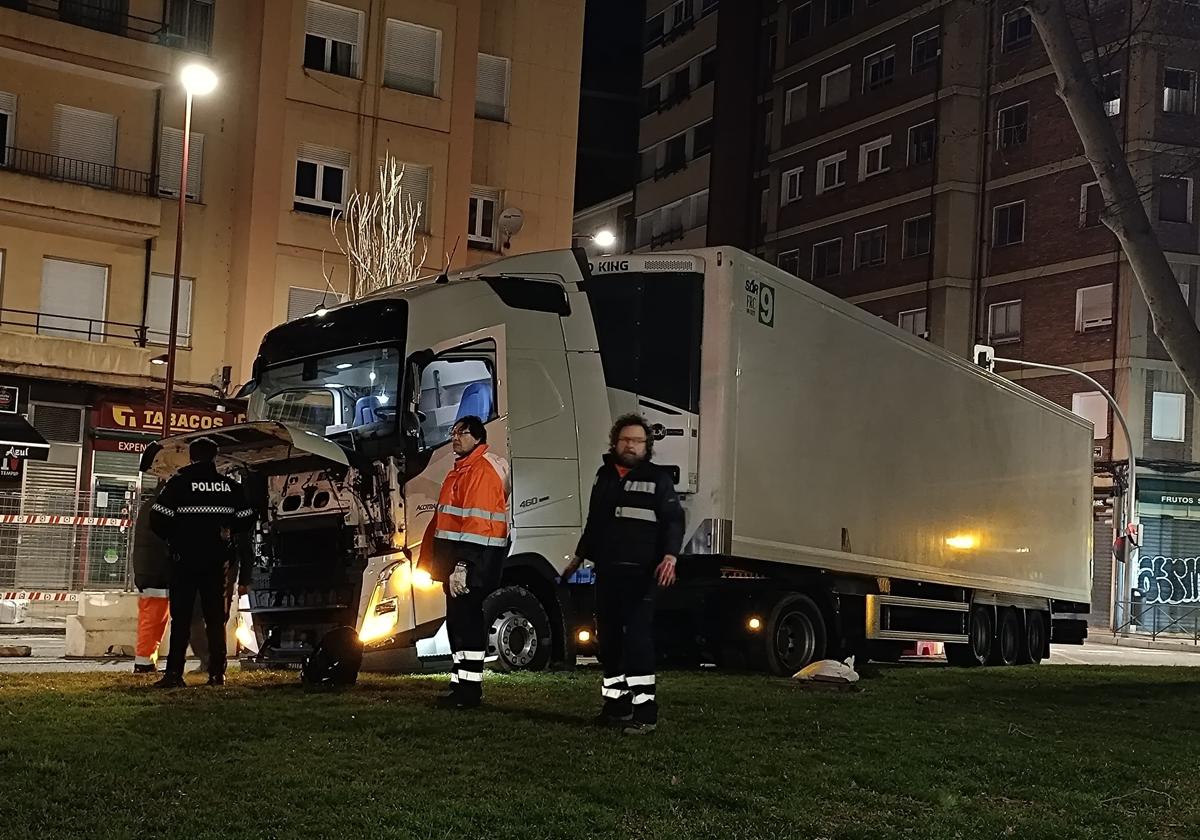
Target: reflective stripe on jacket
point(473, 504)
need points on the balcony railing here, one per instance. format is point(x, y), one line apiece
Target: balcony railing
point(186, 24)
point(58, 168)
point(74, 326)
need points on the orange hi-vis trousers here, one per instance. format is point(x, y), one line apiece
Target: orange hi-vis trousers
point(154, 610)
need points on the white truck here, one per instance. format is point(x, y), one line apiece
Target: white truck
point(848, 486)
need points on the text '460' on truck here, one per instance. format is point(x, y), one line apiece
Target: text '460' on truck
point(848, 487)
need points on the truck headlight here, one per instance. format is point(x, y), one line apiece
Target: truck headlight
point(380, 621)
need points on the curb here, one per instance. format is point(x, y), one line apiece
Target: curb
point(1143, 644)
point(33, 630)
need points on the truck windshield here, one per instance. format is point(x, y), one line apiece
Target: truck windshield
point(350, 390)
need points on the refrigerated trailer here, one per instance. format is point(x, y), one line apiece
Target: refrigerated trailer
point(848, 486)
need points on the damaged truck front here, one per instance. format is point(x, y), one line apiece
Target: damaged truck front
point(319, 461)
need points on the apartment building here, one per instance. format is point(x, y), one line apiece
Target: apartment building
point(475, 97)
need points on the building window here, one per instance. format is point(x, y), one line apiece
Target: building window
point(702, 139)
point(764, 206)
point(681, 13)
point(1008, 224)
point(412, 58)
point(874, 157)
point(1018, 30)
point(1013, 124)
point(1179, 91)
point(1091, 205)
point(789, 261)
point(926, 47)
point(1167, 416)
point(1093, 407)
point(922, 142)
point(303, 301)
point(915, 321)
point(800, 23)
point(768, 123)
point(1174, 199)
point(188, 25)
point(482, 210)
point(331, 35)
point(707, 6)
point(791, 186)
point(85, 143)
point(321, 176)
point(708, 68)
point(1110, 92)
point(870, 247)
point(831, 172)
point(73, 299)
point(836, 10)
point(835, 87)
point(491, 88)
point(158, 310)
point(918, 235)
point(170, 158)
point(654, 30)
point(879, 69)
point(8, 124)
point(827, 259)
point(795, 105)
point(1093, 307)
point(1004, 322)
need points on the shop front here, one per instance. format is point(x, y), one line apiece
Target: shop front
point(1166, 595)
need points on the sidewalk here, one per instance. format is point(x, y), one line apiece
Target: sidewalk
point(1104, 637)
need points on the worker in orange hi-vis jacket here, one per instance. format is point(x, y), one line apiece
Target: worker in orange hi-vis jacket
point(152, 576)
point(470, 541)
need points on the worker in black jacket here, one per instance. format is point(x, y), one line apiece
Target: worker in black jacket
point(197, 512)
point(633, 535)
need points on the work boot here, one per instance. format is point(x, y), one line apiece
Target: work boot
point(614, 713)
point(216, 679)
point(145, 669)
point(635, 728)
point(171, 681)
point(459, 700)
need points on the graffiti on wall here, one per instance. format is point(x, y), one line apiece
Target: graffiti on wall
point(1169, 580)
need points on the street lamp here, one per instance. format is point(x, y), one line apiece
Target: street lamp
point(197, 80)
point(602, 239)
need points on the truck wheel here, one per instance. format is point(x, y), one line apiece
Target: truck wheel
point(795, 635)
point(518, 630)
point(979, 641)
point(1006, 648)
point(1034, 648)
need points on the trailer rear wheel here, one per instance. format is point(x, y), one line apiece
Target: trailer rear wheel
point(795, 635)
point(979, 640)
point(1006, 649)
point(1034, 638)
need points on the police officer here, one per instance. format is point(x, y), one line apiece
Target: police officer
point(239, 567)
point(196, 512)
point(470, 541)
point(633, 535)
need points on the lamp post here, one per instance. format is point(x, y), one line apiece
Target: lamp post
point(197, 80)
point(603, 239)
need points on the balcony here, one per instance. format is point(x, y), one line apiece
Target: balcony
point(183, 24)
point(71, 348)
point(73, 326)
point(129, 181)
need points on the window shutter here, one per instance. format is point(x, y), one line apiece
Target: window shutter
point(414, 184)
point(303, 302)
point(1092, 406)
point(337, 23)
point(158, 310)
point(325, 155)
point(72, 289)
point(1168, 412)
point(491, 87)
point(1095, 307)
point(8, 102)
point(412, 58)
point(170, 155)
point(58, 423)
point(87, 140)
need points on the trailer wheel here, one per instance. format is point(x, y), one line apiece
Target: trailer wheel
point(979, 641)
point(1006, 648)
point(1034, 648)
point(795, 635)
point(518, 630)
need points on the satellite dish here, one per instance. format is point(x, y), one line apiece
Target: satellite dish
point(512, 219)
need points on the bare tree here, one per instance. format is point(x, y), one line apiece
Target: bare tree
point(379, 234)
point(1124, 212)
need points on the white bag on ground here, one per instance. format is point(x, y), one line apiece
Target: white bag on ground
point(829, 670)
point(13, 612)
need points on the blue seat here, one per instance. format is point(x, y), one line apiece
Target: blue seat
point(476, 401)
point(364, 411)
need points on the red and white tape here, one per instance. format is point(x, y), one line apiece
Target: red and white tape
point(21, 595)
point(44, 519)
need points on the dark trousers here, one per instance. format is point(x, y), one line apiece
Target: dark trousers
point(198, 634)
point(468, 638)
point(194, 577)
point(625, 639)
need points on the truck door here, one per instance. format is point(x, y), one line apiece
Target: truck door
point(465, 377)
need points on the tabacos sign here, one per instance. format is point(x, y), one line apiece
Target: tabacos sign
point(146, 418)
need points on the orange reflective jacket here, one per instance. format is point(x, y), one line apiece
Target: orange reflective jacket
point(473, 505)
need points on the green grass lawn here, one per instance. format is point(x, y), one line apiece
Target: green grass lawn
point(1049, 752)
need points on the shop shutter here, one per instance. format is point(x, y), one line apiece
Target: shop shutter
point(491, 87)
point(72, 300)
point(1176, 538)
point(124, 464)
point(170, 156)
point(86, 143)
point(412, 57)
point(58, 423)
point(45, 556)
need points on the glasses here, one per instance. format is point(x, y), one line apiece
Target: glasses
point(458, 433)
point(630, 440)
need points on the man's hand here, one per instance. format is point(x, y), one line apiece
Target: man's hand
point(226, 534)
point(458, 581)
point(243, 589)
point(665, 573)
